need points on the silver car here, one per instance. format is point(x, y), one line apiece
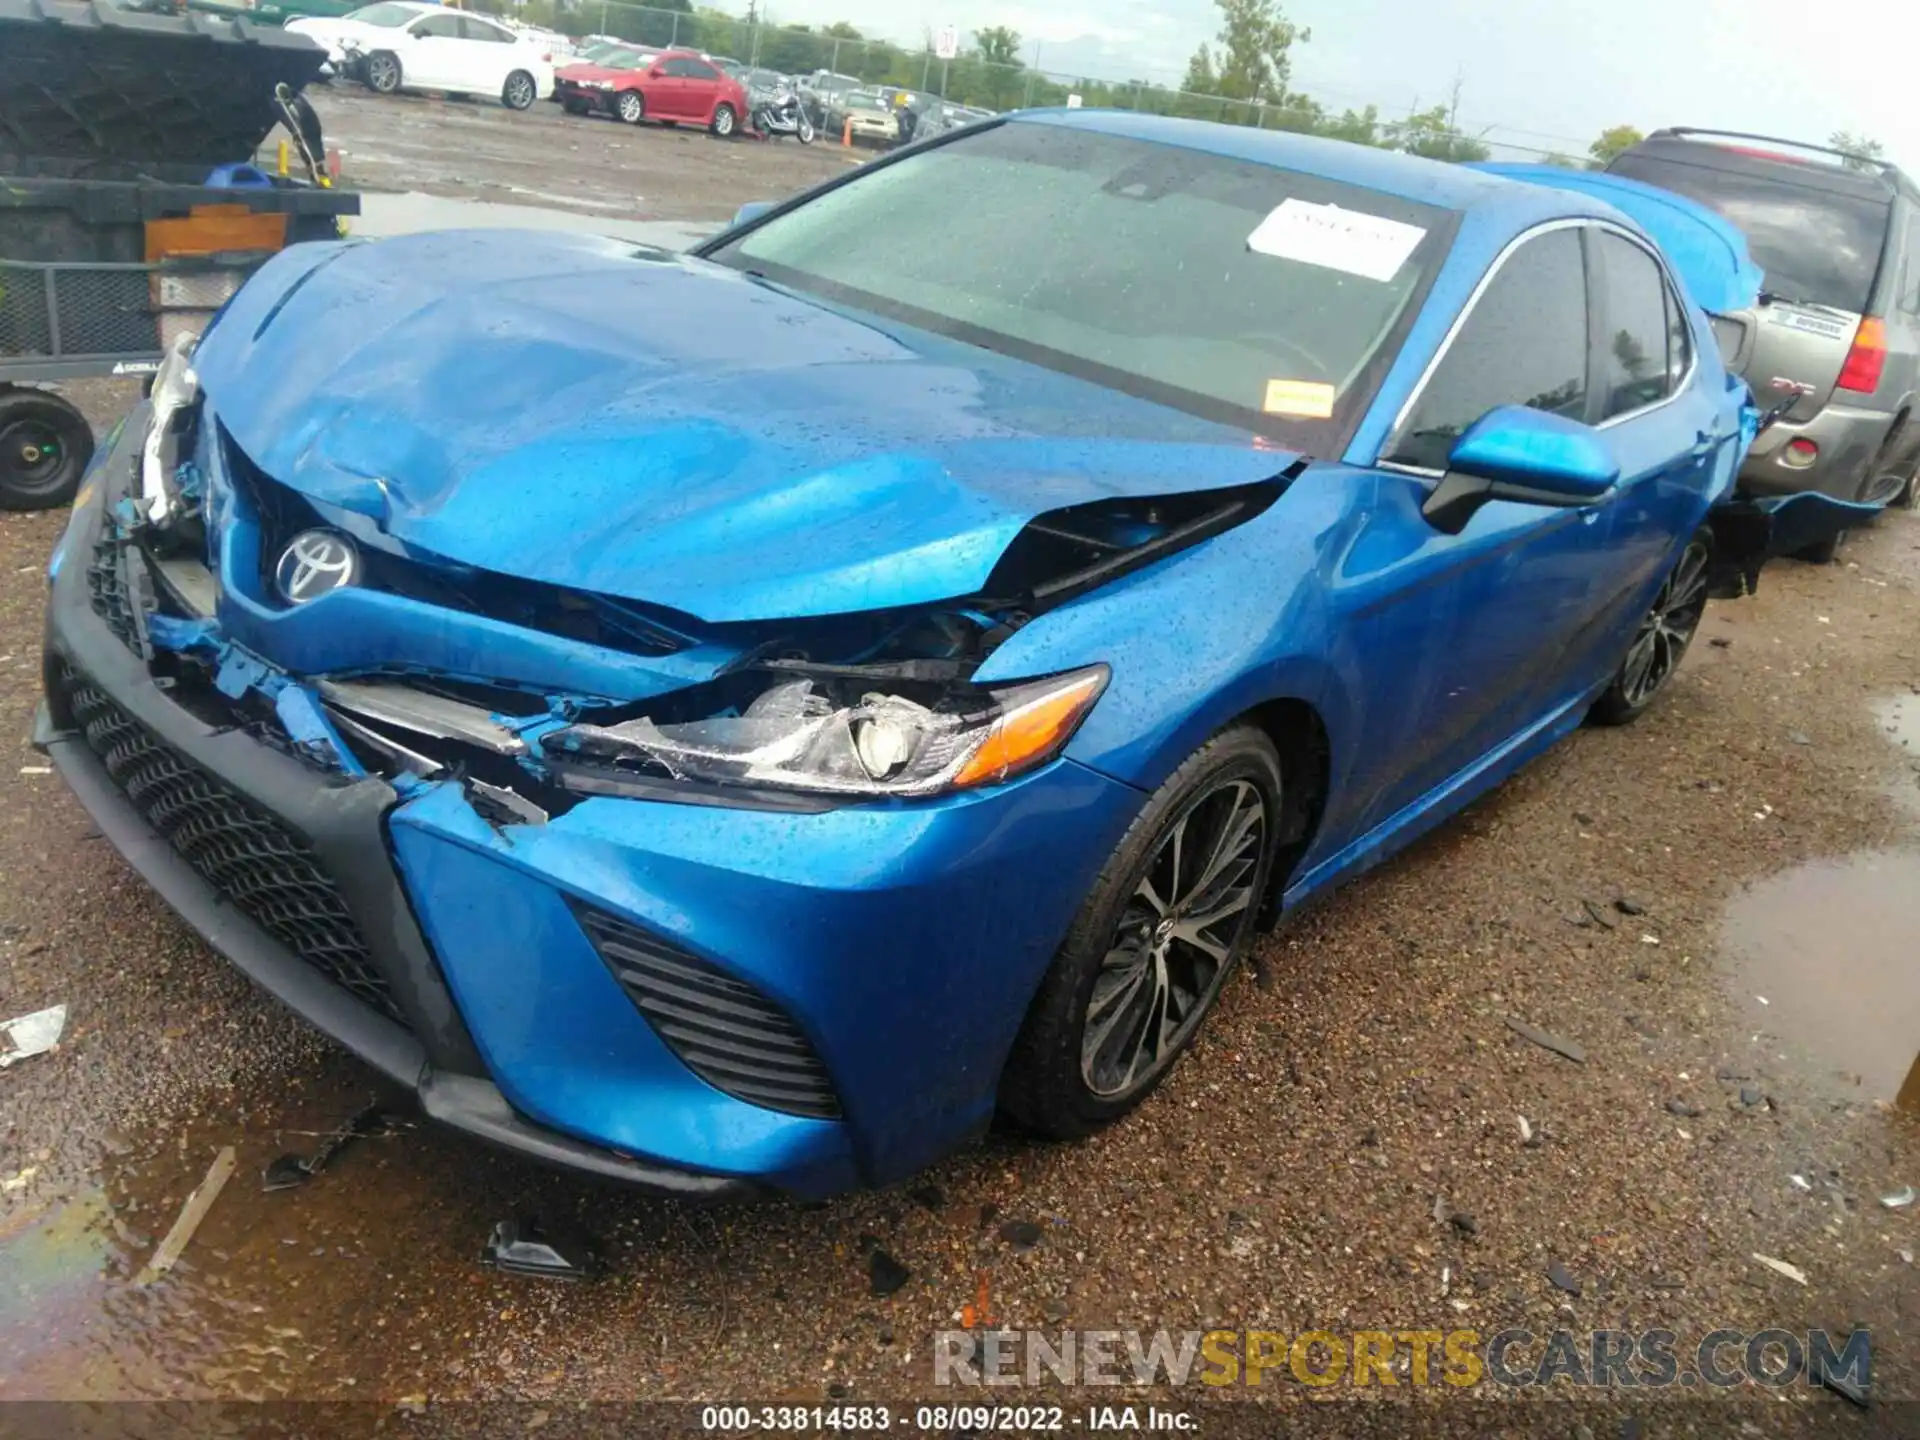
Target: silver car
point(1837, 330)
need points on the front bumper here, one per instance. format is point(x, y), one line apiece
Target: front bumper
point(904, 942)
point(1848, 438)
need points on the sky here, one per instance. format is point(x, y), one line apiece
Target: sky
point(1545, 73)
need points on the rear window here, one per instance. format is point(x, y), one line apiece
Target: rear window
point(1817, 247)
point(384, 15)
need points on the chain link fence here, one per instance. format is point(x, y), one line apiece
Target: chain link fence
point(975, 81)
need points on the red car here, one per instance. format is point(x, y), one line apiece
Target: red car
point(674, 86)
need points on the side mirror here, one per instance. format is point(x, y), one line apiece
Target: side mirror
point(1529, 456)
point(751, 211)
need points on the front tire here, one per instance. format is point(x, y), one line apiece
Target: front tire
point(725, 122)
point(1661, 641)
point(1168, 919)
point(806, 131)
point(519, 92)
point(631, 106)
point(45, 445)
point(383, 73)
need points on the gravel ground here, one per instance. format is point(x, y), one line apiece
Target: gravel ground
point(545, 157)
point(1288, 1177)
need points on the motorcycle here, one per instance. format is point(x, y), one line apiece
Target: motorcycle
point(781, 113)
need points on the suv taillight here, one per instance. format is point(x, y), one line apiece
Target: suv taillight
point(1867, 359)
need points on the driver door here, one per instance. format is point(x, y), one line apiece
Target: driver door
point(1483, 635)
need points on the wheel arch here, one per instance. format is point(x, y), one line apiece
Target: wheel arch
point(1299, 734)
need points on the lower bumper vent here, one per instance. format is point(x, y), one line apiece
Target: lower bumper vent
point(254, 862)
point(722, 1029)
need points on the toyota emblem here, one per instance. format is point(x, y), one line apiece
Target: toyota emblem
point(316, 563)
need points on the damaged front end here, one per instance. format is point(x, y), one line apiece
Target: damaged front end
point(421, 801)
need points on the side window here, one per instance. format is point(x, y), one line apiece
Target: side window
point(1910, 272)
point(438, 27)
point(1525, 343)
point(1634, 367)
point(676, 68)
point(696, 70)
point(472, 29)
point(1679, 340)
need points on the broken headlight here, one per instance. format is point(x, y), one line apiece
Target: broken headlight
point(802, 734)
point(176, 389)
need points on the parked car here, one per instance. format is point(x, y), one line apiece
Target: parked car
point(887, 664)
point(674, 87)
point(589, 84)
point(402, 45)
point(872, 118)
point(1838, 324)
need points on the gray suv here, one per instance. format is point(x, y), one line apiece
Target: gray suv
point(1838, 324)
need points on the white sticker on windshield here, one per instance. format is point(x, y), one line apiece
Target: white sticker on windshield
point(1350, 241)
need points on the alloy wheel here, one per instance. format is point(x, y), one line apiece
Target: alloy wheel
point(1667, 629)
point(383, 74)
point(1178, 934)
point(520, 93)
point(723, 121)
point(632, 108)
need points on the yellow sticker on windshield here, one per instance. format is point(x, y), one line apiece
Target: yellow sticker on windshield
point(1307, 399)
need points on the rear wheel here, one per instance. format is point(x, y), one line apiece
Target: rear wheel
point(45, 445)
point(1661, 640)
point(383, 73)
point(725, 121)
point(519, 92)
point(1153, 944)
point(631, 106)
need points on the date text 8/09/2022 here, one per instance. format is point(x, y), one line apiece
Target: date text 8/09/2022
point(941, 1419)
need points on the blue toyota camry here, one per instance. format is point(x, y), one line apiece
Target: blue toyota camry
point(737, 720)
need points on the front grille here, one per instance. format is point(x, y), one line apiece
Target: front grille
point(254, 862)
point(107, 590)
point(722, 1029)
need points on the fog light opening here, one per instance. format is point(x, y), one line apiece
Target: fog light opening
point(1799, 454)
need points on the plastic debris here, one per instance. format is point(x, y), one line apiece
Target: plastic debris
point(885, 1274)
point(1560, 1279)
point(1800, 1182)
point(1781, 1267)
point(1526, 1130)
point(191, 1214)
point(523, 1247)
point(1546, 1041)
point(36, 770)
point(1900, 1199)
point(1842, 1385)
point(291, 1170)
point(25, 1036)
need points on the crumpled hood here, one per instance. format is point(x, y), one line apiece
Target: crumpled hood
point(638, 423)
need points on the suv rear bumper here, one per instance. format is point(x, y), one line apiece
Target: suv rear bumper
point(1849, 439)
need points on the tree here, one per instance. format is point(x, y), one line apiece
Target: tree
point(1612, 142)
point(1360, 127)
point(1862, 152)
point(1201, 79)
point(997, 45)
point(1255, 38)
point(1436, 133)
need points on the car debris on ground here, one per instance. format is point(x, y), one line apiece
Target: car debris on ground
point(25, 1036)
point(289, 1171)
point(191, 1214)
point(1781, 1267)
point(1548, 1041)
point(524, 1247)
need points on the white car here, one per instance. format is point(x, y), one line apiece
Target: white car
point(403, 45)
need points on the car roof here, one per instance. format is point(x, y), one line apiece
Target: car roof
point(1432, 182)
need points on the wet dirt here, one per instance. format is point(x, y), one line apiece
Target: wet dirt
point(544, 157)
point(1284, 1177)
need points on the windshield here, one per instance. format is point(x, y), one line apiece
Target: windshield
point(1188, 278)
point(385, 16)
point(1816, 246)
point(623, 60)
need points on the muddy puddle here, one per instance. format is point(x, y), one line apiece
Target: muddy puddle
point(1825, 958)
